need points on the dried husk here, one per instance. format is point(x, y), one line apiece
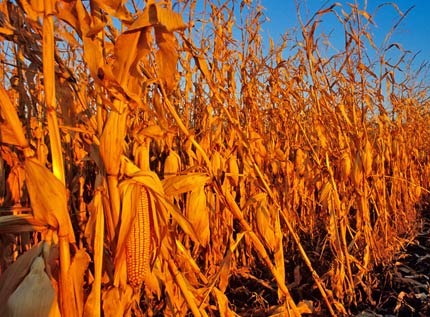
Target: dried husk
point(367, 158)
point(14, 274)
point(264, 222)
point(35, 296)
point(172, 165)
point(233, 169)
point(197, 214)
point(357, 171)
point(345, 166)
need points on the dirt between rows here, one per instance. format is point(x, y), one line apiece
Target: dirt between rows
point(401, 287)
point(404, 284)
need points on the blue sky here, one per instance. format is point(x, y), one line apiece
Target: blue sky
point(413, 33)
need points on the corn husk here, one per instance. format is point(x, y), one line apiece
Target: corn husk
point(13, 276)
point(233, 169)
point(367, 159)
point(35, 296)
point(345, 166)
point(197, 214)
point(172, 165)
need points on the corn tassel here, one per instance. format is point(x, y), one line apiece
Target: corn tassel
point(138, 247)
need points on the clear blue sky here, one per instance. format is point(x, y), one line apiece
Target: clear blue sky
point(413, 33)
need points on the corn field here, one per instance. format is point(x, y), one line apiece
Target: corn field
point(161, 161)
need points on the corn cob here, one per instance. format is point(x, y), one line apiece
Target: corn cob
point(138, 246)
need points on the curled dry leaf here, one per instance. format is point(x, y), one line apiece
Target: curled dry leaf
point(180, 184)
point(95, 233)
point(75, 14)
point(222, 302)
point(48, 198)
point(115, 8)
point(11, 129)
point(39, 5)
point(164, 207)
point(224, 271)
point(154, 14)
point(21, 223)
point(6, 133)
point(116, 302)
point(306, 307)
point(300, 161)
point(130, 48)
point(153, 131)
point(111, 141)
point(166, 57)
point(77, 271)
point(15, 182)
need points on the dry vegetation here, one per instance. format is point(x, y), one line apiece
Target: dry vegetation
point(161, 162)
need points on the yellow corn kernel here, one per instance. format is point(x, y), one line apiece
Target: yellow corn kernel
point(138, 247)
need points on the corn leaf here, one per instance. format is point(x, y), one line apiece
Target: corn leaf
point(76, 274)
point(12, 128)
point(48, 198)
point(93, 305)
point(180, 184)
point(166, 57)
point(115, 8)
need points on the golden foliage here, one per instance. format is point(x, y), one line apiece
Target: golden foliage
point(181, 155)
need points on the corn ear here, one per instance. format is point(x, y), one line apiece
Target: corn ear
point(27, 299)
point(367, 159)
point(345, 166)
point(172, 165)
point(233, 169)
point(299, 163)
point(138, 245)
point(357, 172)
point(141, 154)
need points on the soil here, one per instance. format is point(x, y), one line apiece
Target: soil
point(402, 287)
point(405, 283)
